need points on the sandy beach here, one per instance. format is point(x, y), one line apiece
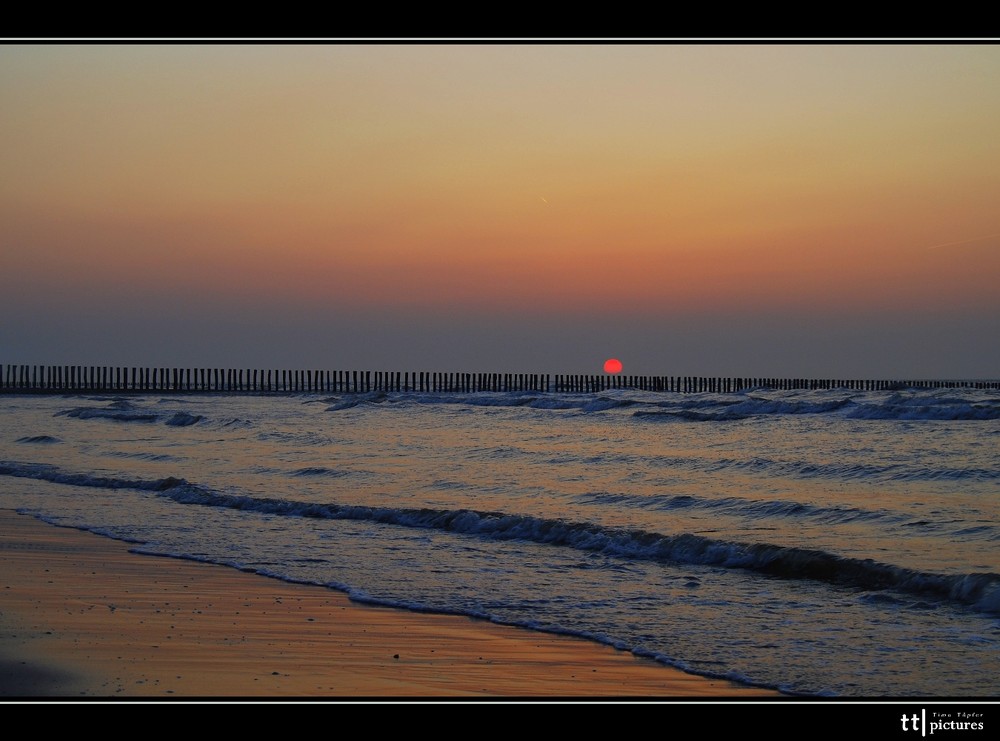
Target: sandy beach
point(80, 616)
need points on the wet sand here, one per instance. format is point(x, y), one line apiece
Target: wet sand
point(80, 616)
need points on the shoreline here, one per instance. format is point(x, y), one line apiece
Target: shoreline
point(82, 617)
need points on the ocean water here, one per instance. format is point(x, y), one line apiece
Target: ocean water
point(834, 543)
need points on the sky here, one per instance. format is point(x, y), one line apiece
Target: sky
point(808, 210)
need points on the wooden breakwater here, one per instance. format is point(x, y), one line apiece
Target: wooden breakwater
point(132, 379)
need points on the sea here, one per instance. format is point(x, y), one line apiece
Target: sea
point(825, 543)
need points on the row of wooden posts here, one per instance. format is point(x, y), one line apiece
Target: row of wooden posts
point(110, 379)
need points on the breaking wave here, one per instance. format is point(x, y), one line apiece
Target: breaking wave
point(980, 591)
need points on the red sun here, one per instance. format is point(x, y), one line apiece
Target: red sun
point(612, 365)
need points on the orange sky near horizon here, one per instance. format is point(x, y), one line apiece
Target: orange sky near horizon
point(503, 178)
